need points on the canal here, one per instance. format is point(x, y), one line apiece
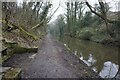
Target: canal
point(103, 59)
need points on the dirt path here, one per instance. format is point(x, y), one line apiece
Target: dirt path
point(49, 62)
point(53, 60)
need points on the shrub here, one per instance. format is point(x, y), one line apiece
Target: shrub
point(86, 35)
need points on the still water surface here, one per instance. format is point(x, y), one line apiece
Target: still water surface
point(103, 59)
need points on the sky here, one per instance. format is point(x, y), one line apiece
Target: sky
point(62, 8)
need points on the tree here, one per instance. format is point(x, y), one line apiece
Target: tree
point(61, 25)
point(80, 14)
point(25, 17)
point(73, 12)
point(103, 9)
point(87, 19)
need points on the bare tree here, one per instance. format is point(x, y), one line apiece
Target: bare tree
point(104, 8)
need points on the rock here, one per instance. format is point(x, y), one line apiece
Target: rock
point(13, 73)
point(4, 69)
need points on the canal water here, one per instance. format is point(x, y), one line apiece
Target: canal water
point(103, 59)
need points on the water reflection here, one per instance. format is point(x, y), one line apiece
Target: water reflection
point(109, 70)
point(93, 54)
point(90, 61)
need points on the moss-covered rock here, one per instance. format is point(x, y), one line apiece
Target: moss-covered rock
point(18, 49)
point(14, 48)
point(4, 58)
point(12, 74)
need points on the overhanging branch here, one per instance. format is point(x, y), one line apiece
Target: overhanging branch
point(101, 16)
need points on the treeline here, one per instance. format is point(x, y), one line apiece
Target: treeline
point(27, 20)
point(23, 27)
point(98, 23)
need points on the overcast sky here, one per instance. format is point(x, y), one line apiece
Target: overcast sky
point(62, 8)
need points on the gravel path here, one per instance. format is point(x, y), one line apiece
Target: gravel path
point(53, 60)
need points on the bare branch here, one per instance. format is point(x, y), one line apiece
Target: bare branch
point(101, 16)
point(54, 12)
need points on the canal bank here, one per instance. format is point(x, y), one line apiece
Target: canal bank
point(52, 60)
point(103, 59)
